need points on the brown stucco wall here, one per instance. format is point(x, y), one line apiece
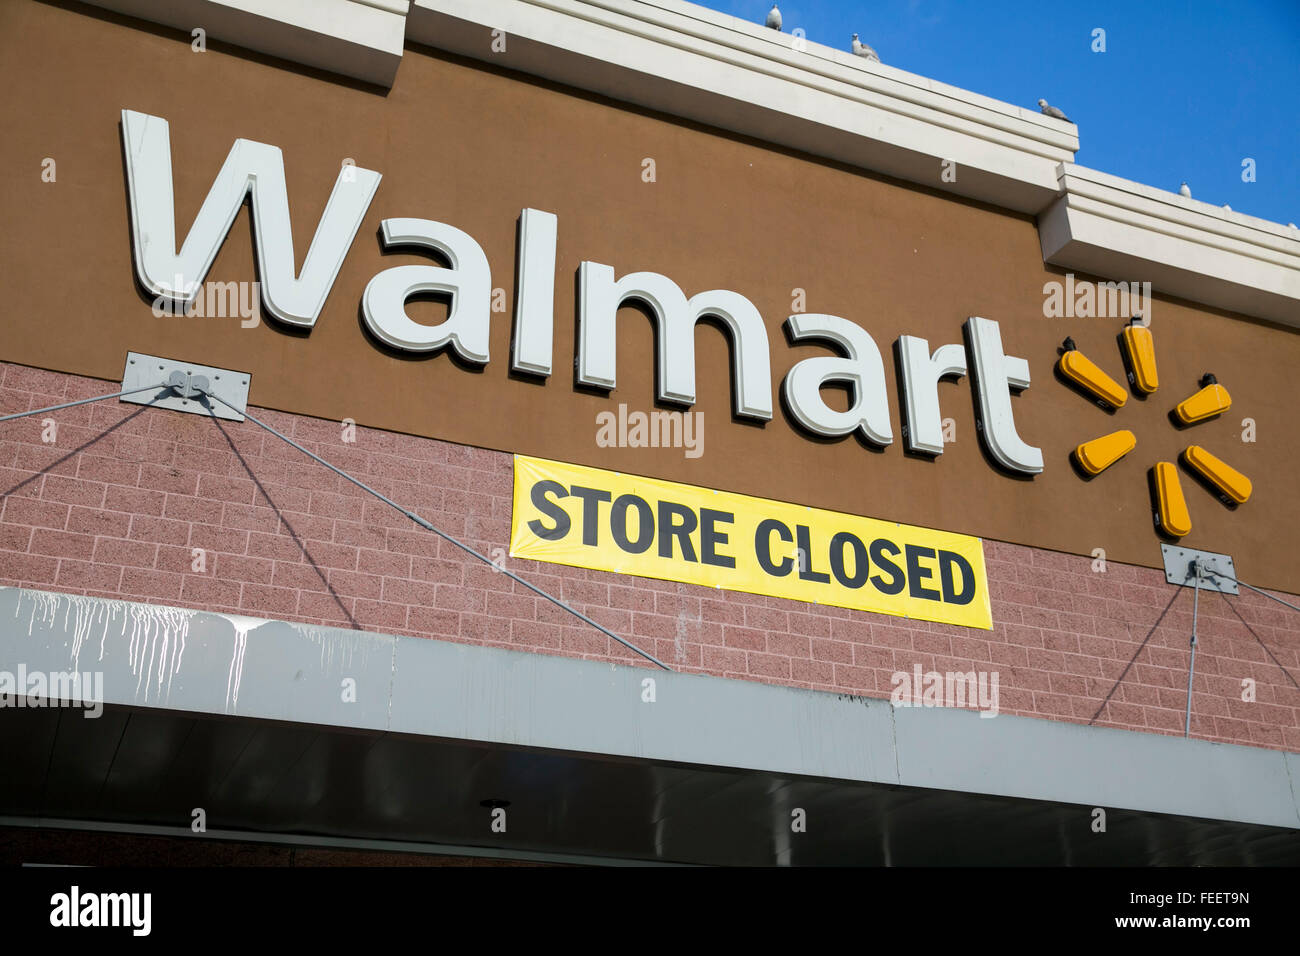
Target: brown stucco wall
point(463, 144)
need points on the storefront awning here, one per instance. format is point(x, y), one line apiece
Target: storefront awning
point(297, 732)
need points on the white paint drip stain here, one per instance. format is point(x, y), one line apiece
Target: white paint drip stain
point(328, 639)
point(155, 637)
point(242, 626)
point(157, 634)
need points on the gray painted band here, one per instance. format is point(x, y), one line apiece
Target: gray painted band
point(201, 662)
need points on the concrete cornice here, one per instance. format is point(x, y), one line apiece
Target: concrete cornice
point(1119, 229)
point(362, 39)
point(681, 60)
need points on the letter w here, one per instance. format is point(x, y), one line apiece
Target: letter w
point(250, 167)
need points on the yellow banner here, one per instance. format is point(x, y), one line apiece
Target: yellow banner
point(606, 521)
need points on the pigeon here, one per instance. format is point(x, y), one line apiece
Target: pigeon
point(1227, 208)
point(861, 49)
point(1185, 191)
point(774, 18)
point(1047, 110)
point(1293, 225)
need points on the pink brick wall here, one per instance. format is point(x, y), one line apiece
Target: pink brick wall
point(114, 507)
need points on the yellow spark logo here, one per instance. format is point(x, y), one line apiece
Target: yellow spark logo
point(1095, 456)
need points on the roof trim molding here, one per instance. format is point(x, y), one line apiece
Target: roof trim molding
point(362, 39)
point(680, 59)
point(1114, 227)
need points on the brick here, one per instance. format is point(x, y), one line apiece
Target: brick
point(380, 615)
point(1082, 664)
point(186, 508)
point(278, 547)
point(403, 590)
point(458, 598)
point(768, 619)
point(264, 600)
point(86, 575)
point(768, 665)
point(790, 645)
point(135, 501)
point(111, 470)
point(840, 652)
point(244, 517)
point(327, 555)
point(855, 680)
point(747, 638)
point(310, 529)
point(510, 605)
point(383, 563)
point(281, 497)
point(536, 634)
point(145, 584)
point(810, 625)
point(1040, 617)
point(120, 551)
point(1043, 660)
point(585, 643)
point(73, 491)
point(865, 656)
point(142, 449)
point(19, 484)
point(331, 608)
point(431, 621)
point(210, 591)
point(970, 648)
point(931, 643)
point(656, 626)
point(112, 524)
point(358, 535)
point(444, 571)
point(159, 530)
point(46, 460)
point(62, 544)
point(223, 488)
point(631, 598)
point(724, 659)
point(1068, 684)
point(167, 478)
point(213, 538)
point(14, 537)
point(857, 630)
point(50, 384)
point(812, 671)
point(352, 584)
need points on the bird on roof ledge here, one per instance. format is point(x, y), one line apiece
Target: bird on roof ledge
point(1185, 191)
point(862, 50)
point(1048, 110)
point(774, 18)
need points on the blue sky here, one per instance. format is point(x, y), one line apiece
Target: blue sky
point(1185, 90)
